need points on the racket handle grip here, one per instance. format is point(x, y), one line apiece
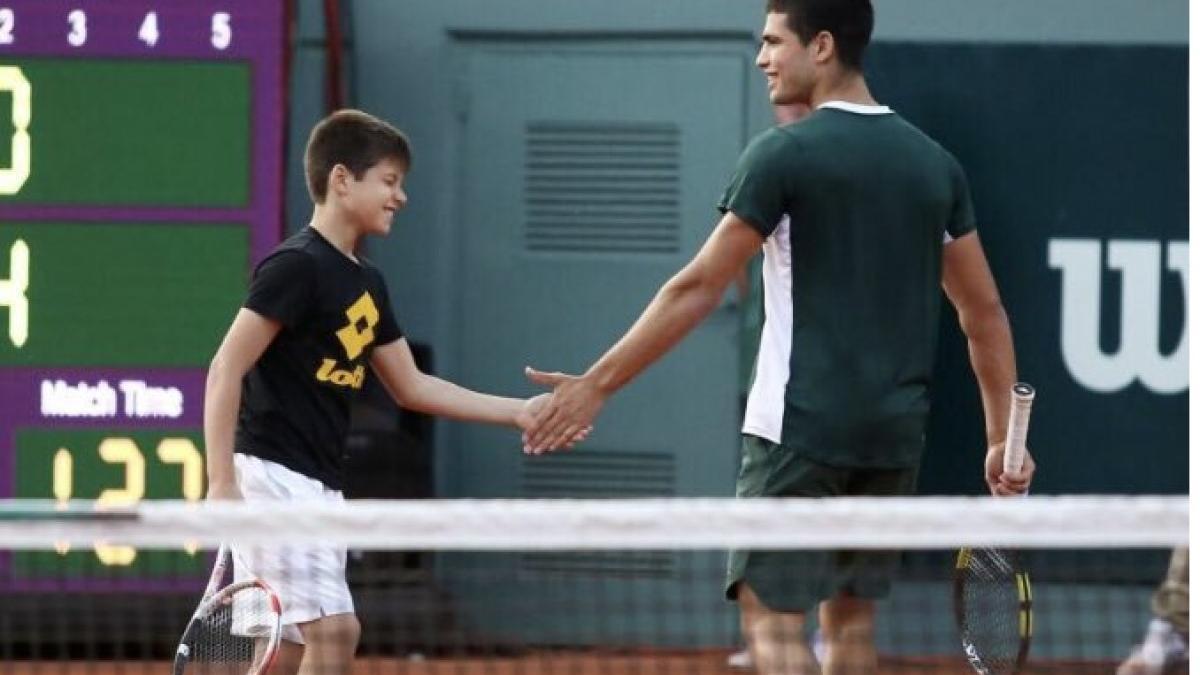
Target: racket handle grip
point(218, 573)
point(1018, 427)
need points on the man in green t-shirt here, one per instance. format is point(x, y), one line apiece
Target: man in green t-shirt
point(863, 221)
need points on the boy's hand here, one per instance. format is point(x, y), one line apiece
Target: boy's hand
point(569, 413)
point(527, 418)
point(224, 490)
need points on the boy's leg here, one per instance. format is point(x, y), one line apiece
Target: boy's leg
point(848, 627)
point(776, 639)
point(287, 659)
point(329, 644)
point(310, 578)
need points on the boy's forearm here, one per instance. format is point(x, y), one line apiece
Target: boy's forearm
point(989, 341)
point(222, 397)
point(435, 396)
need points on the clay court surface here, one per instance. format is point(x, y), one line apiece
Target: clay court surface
point(696, 663)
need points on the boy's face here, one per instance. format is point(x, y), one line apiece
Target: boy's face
point(787, 63)
point(370, 203)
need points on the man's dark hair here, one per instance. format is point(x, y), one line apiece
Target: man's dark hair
point(357, 141)
point(850, 22)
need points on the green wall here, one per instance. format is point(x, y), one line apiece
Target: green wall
point(1064, 142)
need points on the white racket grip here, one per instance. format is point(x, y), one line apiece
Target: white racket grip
point(218, 573)
point(1018, 428)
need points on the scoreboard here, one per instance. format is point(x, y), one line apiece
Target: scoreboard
point(141, 150)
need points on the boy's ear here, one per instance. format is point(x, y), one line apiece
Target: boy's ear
point(339, 179)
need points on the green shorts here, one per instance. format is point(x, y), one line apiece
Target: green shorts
point(796, 581)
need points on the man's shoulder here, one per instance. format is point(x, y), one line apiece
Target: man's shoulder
point(928, 142)
point(774, 145)
point(890, 132)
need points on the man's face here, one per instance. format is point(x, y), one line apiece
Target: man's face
point(373, 200)
point(786, 62)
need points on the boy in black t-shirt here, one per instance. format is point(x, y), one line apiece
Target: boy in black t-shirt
point(279, 389)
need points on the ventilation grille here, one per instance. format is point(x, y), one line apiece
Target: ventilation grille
point(602, 187)
point(592, 474)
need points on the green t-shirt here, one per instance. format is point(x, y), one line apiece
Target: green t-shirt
point(855, 205)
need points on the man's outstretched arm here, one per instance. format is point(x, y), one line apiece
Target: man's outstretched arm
point(680, 305)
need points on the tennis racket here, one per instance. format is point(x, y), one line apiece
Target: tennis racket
point(235, 629)
point(993, 602)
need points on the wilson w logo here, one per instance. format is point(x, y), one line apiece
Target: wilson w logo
point(1138, 356)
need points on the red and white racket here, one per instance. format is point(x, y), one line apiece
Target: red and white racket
point(235, 629)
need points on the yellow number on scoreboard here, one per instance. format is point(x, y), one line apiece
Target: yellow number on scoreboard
point(181, 451)
point(13, 177)
point(122, 451)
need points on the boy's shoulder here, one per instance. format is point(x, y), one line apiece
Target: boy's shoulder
point(304, 241)
point(371, 269)
point(296, 253)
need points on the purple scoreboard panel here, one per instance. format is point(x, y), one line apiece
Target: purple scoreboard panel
point(141, 147)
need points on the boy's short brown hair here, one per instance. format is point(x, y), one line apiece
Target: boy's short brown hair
point(357, 141)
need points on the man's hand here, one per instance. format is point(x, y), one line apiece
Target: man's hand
point(528, 416)
point(1002, 484)
point(568, 414)
point(224, 490)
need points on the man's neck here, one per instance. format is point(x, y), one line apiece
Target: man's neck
point(850, 87)
point(335, 230)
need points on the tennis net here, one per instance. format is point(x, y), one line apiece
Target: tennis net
point(597, 586)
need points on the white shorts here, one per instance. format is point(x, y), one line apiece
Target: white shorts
point(310, 579)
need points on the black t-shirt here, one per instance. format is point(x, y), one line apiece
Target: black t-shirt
point(296, 399)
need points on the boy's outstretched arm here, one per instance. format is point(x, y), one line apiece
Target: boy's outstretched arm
point(247, 339)
point(414, 390)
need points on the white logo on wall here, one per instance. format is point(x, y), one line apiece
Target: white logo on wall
point(1138, 357)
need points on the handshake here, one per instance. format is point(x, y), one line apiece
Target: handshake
point(561, 418)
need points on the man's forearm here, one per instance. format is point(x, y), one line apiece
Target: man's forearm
point(989, 341)
point(677, 308)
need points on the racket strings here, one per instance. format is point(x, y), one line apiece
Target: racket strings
point(227, 639)
point(992, 609)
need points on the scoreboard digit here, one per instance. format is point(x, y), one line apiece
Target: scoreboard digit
point(16, 171)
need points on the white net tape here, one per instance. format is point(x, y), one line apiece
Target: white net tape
point(908, 523)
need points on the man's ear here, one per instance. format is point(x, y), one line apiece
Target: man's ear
point(826, 47)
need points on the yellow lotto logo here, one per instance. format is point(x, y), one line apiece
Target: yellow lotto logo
point(329, 372)
point(360, 332)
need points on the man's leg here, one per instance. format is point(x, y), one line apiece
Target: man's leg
point(848, 627)
point(776, 639)
point(329, 644)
